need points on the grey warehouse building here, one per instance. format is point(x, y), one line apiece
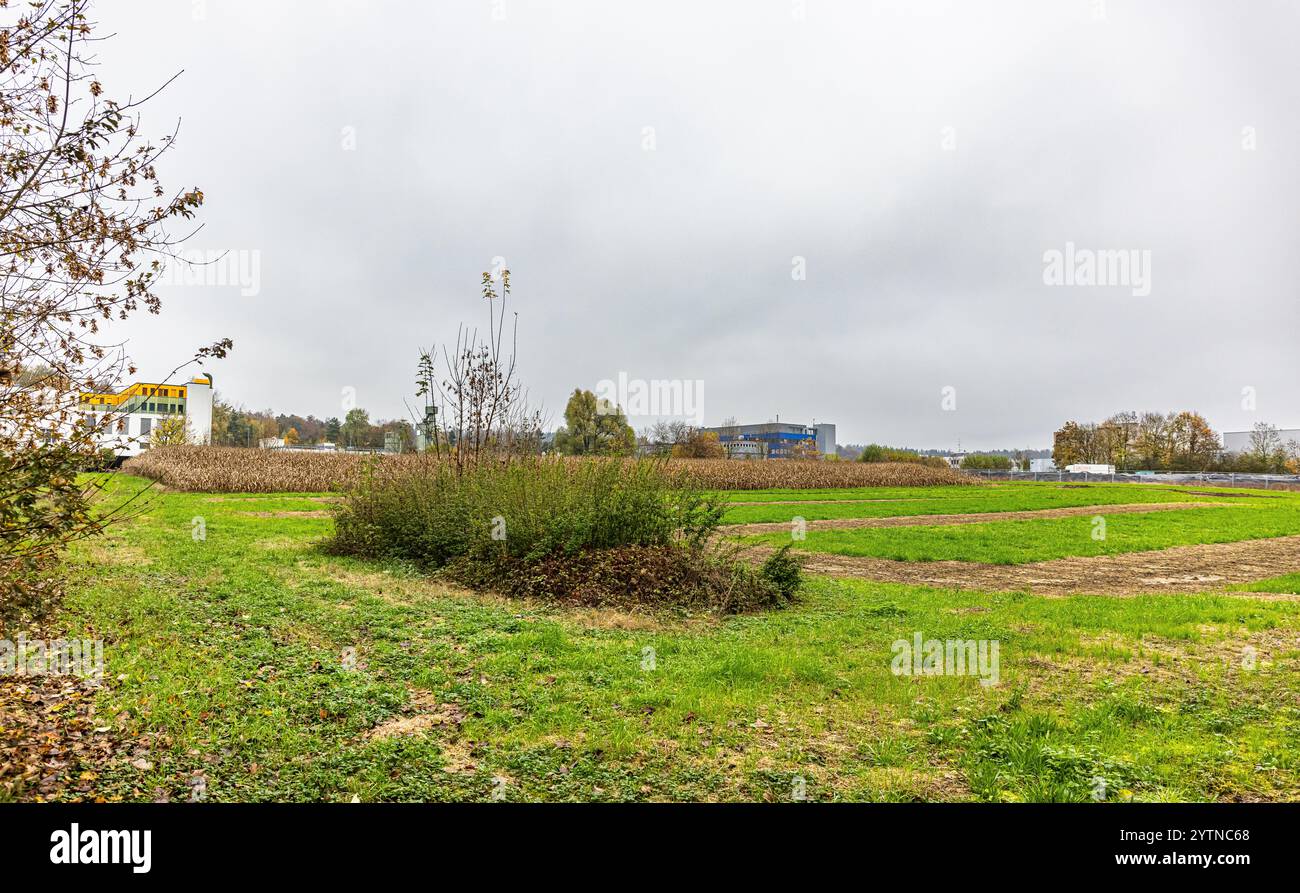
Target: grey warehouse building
point(1239, 441)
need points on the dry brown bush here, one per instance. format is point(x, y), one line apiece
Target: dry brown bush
point(234, 470)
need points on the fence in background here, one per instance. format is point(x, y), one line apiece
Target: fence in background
point(1220, 479)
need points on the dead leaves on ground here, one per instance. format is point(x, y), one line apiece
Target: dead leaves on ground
point(52, 747)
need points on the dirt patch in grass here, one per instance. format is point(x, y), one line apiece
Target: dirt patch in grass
point(282, 544)
point(1224, 495)
point(1224, 647)
point(1267, 596)
point(115, 550)
point(399, 590)
point(612, 618)
point(424, 712)
point(304, 514)
point(1198, 568)
point(968, 518)
point(1166, 660)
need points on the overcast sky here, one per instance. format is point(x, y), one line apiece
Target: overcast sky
point(653, 172)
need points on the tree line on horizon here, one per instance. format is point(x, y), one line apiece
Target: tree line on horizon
point(237, 426)
point(1002, 460)
point(590, 429)
point(593, 427)
point(1175, 441)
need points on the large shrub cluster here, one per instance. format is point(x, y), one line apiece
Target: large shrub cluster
point(597, 532)
point(428, 512)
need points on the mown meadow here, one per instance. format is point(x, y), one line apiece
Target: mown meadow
point(820, 505)
point(1019, 542)
point(255, 660)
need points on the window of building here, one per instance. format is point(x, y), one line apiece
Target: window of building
point(146, 425)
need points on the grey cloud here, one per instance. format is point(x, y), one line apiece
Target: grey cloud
point(774, 138)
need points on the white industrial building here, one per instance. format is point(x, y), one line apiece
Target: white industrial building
point(1239, 441)
point(130, 416)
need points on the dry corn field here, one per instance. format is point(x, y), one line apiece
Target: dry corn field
point(728, 474)
point(234, 470)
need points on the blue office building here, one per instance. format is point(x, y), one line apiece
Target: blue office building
point(775, 440)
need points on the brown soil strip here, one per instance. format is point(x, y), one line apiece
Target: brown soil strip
point(306, 514)
point(1225, 495)
point(1198, 568)
point(1213, 493)
point(1264, 596)
point(970, 518)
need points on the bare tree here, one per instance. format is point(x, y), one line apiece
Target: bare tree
point(475, 406)
point(666, 434)
point(1265, 441)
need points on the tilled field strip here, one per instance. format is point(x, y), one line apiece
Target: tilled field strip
point(991, 493)
point(968, 518)
point(1181, 569)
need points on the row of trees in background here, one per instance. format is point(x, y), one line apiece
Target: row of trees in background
point(1154, 441)
point(593, 427)
point(994, 462)
point(874, 452)
point(1267, 453)
point(598, 428)
point(234, 425)
point(681, 440)
point(1181, 441)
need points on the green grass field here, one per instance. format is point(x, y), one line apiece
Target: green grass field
point(1019, 542)
point(807, 504)
point(1287, 583)
point(279, 672)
